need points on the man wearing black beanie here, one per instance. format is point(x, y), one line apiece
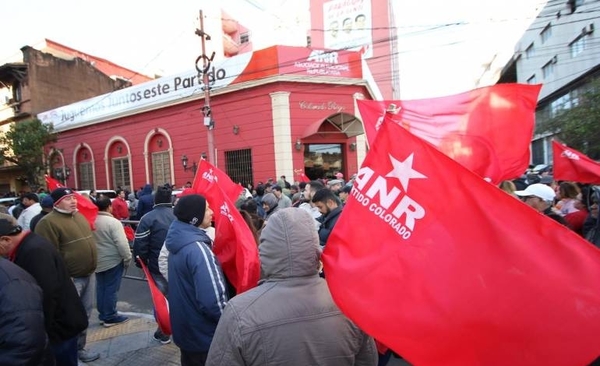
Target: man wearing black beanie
point(197, 290)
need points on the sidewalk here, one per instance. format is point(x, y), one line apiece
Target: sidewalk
point(130, 343)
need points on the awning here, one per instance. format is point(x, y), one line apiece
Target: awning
point(343, 122)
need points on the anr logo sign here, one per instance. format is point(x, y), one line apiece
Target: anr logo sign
point(570, 155)
point(386, 200)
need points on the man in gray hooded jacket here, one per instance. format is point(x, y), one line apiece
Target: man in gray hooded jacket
point(290, 318)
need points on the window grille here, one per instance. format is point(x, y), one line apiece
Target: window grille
point(161, 168)
point(86, 176)
point(120, 170)
point(238, 165)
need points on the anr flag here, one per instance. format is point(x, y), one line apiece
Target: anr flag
point(234, 244)
point(572, 165)
point(446, 269)
point(488, 130)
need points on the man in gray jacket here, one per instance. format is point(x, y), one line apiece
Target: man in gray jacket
point(290, 318)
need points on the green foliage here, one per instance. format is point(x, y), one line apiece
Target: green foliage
point(23, 145)
point(579, 127)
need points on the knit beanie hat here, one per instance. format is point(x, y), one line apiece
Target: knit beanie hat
point(163, 195)
point(59, 193)
point(270, 200)
point(191, 209)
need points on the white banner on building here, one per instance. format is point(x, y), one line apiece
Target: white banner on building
point(348, 25)
point(155, 93)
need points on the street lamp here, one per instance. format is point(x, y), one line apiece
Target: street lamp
point(184, 162)
point(62, 173)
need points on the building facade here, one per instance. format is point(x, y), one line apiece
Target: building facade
point(278, 111)
point(41, 81)
point(559, 50)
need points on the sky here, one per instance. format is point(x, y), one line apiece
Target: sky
point(444, 45)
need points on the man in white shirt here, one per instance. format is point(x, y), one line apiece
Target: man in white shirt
point(31, 201)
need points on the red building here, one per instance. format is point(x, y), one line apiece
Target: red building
point(277, 111)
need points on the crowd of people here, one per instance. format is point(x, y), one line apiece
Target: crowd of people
point(58, 268)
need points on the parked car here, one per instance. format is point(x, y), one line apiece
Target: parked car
point(8, 201)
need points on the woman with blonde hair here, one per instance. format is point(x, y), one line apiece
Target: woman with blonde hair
point(509, 187)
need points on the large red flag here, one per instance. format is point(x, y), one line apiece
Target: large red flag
point(161, 304)
point(86, 207)
point(488, 130)
point(571, 165)
point(234, 243)
point(446, 269)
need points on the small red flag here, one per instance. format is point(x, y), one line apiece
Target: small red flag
point(446, 269)
point(488, 130)
point(301, 176)
point(572, 165)
point(86, 207)
point(161, 304)
point(234, 244)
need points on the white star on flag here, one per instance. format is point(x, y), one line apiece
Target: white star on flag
point(403, 171)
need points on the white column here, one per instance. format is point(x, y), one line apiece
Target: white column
point(282, 134)
point(361, 140)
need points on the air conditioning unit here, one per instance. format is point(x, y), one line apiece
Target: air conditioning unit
point(588, 29)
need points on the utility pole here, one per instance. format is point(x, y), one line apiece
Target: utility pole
point(206, 111)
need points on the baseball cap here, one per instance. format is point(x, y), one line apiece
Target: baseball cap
point(538, 190)
point(8, 226)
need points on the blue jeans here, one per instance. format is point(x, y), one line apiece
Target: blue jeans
point(107, 286)
point(65, 352)
point(86, 288)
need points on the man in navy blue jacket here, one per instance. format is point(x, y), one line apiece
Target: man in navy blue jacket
point(197, 287)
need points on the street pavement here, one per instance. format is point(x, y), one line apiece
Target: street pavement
point(132, 343)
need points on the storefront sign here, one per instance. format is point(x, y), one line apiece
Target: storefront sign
point(321, 106)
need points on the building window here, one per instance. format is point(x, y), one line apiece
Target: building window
point(244, 38)
point(532, 80)
point(560, 104)
point(548, 69)
point(574, 4)
point(161, 168)
point(120, 170)
point(578, 46)
point(530, 52)
point(86, 176)
point(322, 160)
point(308, 41)
point(537, 152)
point(238, 165)
point(546, 33)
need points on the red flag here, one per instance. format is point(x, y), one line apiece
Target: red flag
point(161, 304)
point(86, 207)
point(571, 165)
point(231, 190)
point(488, 130)
point(234, 243)
point(301, 175)
point(446, 269)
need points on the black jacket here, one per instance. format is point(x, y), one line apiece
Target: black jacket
point(327, 224)
point(150, 235)
point(23, 339)
point(145, 201)
point(64, 313)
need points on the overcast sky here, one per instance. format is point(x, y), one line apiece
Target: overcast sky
point(443, 46)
